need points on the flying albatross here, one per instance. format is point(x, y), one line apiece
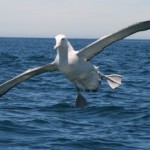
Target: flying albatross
point(76, 65)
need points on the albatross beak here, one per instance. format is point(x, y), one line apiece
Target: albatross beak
point(56, 46)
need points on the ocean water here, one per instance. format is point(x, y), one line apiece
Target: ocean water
point(39, 114)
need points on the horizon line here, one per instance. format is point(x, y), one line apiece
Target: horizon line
point(92, 38)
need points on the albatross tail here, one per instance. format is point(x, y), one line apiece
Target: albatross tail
point(114, 80)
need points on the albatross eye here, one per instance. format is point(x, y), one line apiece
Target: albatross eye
point(62, 39)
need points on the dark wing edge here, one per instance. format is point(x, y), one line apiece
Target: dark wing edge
point(5, 87)
point(91, 50)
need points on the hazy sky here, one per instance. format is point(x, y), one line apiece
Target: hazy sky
point(74, 18)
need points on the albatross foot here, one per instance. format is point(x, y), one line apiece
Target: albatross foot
point(80, 101)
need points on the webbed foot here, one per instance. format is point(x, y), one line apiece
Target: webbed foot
point(80, 101)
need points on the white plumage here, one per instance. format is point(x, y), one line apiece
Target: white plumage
point(75, 65)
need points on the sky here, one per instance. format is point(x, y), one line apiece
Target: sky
point(74, 18)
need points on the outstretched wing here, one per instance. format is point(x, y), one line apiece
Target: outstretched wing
point(5, 87)
point(91, 50)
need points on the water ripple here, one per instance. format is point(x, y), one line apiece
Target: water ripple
point(40, 114)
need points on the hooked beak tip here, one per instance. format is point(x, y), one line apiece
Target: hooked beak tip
point(55, 47)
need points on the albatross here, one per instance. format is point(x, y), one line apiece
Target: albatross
point(76, 65)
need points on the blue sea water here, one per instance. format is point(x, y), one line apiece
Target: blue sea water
point(39, 114)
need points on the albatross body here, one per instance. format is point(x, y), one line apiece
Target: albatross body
point(79, 71)
point(76, 66)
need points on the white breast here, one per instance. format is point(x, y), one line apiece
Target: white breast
point(78, 70)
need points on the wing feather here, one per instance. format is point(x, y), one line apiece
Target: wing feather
point(5, 87)
point(91, 50)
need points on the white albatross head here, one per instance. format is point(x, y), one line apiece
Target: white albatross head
point(61, 42)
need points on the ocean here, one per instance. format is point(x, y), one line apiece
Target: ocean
point(39, 114)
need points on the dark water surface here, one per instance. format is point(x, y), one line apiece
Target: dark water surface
point(39, 114)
